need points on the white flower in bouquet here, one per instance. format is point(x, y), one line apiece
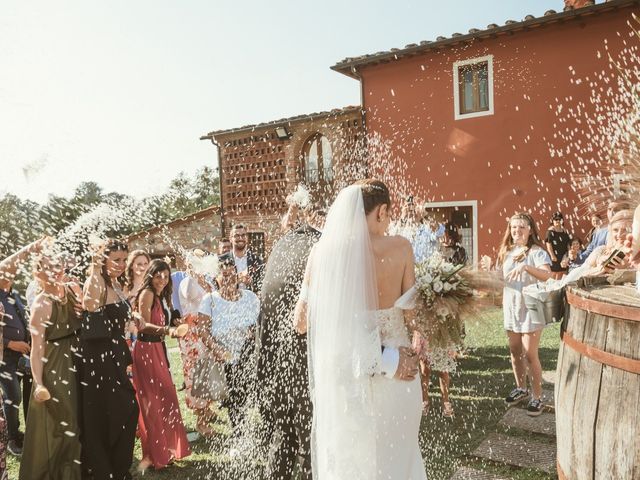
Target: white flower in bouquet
point(438, 286)
point(301, 197)
point(443, 312)
point(447, 286)
point(426, 278)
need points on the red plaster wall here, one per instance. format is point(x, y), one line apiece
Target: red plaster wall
point(503, 161)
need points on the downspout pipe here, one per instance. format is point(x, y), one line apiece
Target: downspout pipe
point(358, 75)
point(222, 215)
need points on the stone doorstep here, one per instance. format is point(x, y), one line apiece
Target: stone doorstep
point(466, 473)
point(517, 451)
point(518, 418)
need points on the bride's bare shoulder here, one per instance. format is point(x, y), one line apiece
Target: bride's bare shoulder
point(398, 241)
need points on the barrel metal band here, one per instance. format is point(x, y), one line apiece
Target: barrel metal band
point(601, 308)
point(616, 361)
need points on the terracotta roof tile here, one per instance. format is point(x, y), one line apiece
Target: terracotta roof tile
point(550, 16)
point(282, 121)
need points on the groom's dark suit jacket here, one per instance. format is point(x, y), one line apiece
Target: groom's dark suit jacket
point(282, 353)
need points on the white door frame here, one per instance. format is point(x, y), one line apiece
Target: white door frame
point(474, 220)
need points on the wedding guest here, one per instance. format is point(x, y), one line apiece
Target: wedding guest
point(160, 426)
point(249, 265)
point(600, 236)
point(427, 237)
point(69, 262)
point(109, 411)
point(524, 261)
point(570, 258)
point(52, 445)
point(228, 317)
point(596, 223)
point(600, 261)
point(192, 290)
point(441, 361)
point(176, 279)
point(137, 264)
point(224, 246)
point(451, 248)
point(15, 377)
point(4, 438)
point(557, 242)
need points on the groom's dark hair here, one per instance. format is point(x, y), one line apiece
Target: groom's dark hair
point(374, 193)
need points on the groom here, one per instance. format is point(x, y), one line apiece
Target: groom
point(282, 353)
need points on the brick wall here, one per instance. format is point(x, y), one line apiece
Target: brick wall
point(259, 170)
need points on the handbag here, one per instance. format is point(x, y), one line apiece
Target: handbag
point(209, 382)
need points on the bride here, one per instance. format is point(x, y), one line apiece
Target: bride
point(362, 371)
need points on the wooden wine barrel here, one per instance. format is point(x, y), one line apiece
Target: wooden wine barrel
point(597, 394)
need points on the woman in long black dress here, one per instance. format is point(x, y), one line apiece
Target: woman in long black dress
point(557, 243)
point(109, 410)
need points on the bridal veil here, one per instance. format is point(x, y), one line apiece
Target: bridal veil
point(344, 343)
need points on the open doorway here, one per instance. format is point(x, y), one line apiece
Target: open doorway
point(464, 215)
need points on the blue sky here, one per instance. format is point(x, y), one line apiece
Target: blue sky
point(120, 91)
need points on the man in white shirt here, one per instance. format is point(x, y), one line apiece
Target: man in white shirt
point(427, 238)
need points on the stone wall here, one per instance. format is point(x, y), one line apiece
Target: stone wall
point(199, 230)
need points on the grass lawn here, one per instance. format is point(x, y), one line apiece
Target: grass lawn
point(478, 388)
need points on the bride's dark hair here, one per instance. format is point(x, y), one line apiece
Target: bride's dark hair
point(374, 193)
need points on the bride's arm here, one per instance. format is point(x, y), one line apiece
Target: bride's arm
point(408, 281)
point(300, 312)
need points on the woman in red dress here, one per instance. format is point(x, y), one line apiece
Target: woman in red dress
point(162, 432)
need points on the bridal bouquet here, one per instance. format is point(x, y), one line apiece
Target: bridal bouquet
point(443, 292)
point(446, 294)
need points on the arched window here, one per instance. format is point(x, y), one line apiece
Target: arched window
point(318, 160)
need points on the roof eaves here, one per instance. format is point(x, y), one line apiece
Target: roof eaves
point(176, 222)
point(282, 121)
point(349, 65)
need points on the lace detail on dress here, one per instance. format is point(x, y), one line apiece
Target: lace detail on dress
point(393, 331)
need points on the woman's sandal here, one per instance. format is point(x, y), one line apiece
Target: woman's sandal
point(447, 410)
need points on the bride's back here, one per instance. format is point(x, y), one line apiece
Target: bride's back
point(393, 258)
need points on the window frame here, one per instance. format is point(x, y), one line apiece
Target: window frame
point(321, 169)
point(456, 87)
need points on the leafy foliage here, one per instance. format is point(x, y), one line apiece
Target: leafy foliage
point(22, 221)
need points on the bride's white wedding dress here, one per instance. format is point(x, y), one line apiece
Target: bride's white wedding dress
point(365, 425)
point(398, 409)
